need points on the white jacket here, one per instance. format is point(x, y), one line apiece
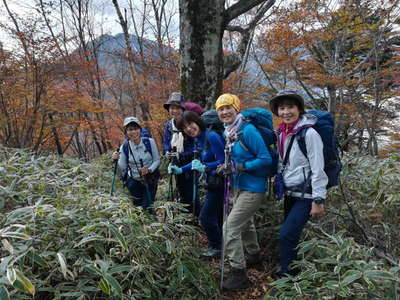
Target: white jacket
point(150, 160)
point(299, 167)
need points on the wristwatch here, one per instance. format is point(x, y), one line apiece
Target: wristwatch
point(318, 200)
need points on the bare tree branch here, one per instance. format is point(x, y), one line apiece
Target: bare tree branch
point(240, 8)
point(246, 37)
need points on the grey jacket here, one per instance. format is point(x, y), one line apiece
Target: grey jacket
point(299, 167)
point(139, 151)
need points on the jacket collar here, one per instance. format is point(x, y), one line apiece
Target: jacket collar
point(306, 120)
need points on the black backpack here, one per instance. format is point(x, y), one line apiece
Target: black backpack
point(212, 122)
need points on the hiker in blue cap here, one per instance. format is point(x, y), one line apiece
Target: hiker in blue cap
point(301, 179)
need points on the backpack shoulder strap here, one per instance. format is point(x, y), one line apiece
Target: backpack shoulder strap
point(286, 158)
point(147, 144)
point(301, 140)
point(240, 136)
point(206, 141)
point(125, 148)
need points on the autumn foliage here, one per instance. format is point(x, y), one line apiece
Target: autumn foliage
point(341, 58)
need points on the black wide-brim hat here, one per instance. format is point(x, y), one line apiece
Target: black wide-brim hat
point(285, 94)
point(175, 98)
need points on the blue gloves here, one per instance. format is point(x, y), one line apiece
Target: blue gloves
point(198, 166)
point(174, 170)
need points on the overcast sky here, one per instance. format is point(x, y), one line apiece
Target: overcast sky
point(104, 13)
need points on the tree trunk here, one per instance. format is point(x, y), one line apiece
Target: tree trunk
point(332, 99)
point(201, 31)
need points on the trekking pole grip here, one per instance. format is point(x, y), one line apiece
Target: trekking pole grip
point(195, 154)
point(115, 161)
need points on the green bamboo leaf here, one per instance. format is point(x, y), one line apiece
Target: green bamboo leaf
point(4, 263)
point(318, 275)
point(90, 239)
point(297, 288)
point(24, 283)
point(63, 264)
point(16, 235)
point(114, 284)
point(379, 274)
point(7, 246)
point(38, 259)
point(331, 261)
point(368, 281)
point(4, 295)
point(305, 247)
point(331, 284)
point(93, 269)
point(169, 246)
point(337, 269)
point(71, 294)
point(180, 272)
point(105, 287)
point(103, 264)
point(120, 269)
point(11, 275)
point(119, 236)
point(350, 276)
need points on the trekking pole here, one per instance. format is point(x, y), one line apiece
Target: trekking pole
point(146, 185)
point(227, 185)
point(195, 156)
point(137, 168)
point(173, 161)
point(114, 174)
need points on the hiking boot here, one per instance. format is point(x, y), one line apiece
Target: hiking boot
point(237, 279)
point(254, 260)
point(211, 252)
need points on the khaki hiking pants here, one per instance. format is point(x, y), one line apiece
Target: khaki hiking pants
point(239, 232)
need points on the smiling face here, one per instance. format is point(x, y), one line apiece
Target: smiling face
point(175, 111)
point(192, 129)
point(133, 132)
point(289, 113)
point(227, 114)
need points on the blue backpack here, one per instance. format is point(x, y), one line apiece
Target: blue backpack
point(325, 127)
point(262, 120)
point(145, 133)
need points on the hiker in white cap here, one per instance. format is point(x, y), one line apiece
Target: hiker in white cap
point(139, 159)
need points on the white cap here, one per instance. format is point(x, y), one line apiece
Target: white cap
point(129, 120)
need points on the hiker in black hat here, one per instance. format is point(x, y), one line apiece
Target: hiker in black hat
point(179, 146)
point(301, 179)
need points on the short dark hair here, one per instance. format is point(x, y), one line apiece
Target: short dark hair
point(290, 101)
point(189, 117)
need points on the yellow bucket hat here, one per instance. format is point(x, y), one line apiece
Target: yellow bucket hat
point(228, 99)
